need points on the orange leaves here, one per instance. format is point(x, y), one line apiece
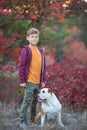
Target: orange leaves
point(61, 18)
point(53, 14)
point(56, 10)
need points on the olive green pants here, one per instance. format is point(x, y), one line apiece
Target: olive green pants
point(30, 99)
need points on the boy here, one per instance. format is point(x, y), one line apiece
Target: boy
point(31, 73)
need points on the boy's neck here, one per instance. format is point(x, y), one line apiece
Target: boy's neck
point(31, 45)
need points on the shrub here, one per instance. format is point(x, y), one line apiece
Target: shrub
point(67, 80)
point(69, 83)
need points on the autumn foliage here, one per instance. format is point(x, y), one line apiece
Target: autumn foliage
point(76, 50)
point(69, 83)
point(32, 9)
point(68, 80)
point(17, 17)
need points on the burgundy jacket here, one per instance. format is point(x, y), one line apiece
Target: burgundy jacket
point(24, 64)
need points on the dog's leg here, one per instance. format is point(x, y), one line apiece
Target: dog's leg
point(59, 121)
point(38, 116)
point(42, 120)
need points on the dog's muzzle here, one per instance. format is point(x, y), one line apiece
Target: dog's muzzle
point(41, 98)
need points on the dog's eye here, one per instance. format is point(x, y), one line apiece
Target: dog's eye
point(43, 91)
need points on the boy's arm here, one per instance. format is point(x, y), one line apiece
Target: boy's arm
point(21, 66)
point(44, 75)
point(43, 68)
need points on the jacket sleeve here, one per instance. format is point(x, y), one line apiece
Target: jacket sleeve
point(44, 70)
point(21, 66)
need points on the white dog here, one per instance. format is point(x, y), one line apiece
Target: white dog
point(49, 105)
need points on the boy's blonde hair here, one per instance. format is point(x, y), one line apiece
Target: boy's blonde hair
point(32, 31)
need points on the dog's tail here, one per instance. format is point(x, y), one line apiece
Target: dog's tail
point(38, 116)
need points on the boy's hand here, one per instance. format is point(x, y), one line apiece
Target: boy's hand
point(42, 85)
point(23, 85)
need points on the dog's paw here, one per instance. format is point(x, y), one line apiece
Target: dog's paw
point(41, 125)
point(62, 126)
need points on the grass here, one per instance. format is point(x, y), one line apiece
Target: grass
point(9, 120)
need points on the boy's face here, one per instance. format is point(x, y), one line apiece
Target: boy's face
point(33, 39)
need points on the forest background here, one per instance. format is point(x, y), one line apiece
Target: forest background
point(62, 25)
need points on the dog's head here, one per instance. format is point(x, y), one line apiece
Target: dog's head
point(44, 95)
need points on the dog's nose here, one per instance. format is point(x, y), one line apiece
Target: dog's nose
point(38, 95)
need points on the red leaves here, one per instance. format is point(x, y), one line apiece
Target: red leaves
point(17, 36)
point(1, 67)
point(3, 2)
point(2, 11)
point(15, 55)
point(9, 68)
point(5, 11)
point(1, 98)
point(76, 50)
point(4, 45)
point(7, 51)
point(55, 6)
point(33, 9)
point(32, 16)
point(6, 40)
point(18, 16)
point(69, 82)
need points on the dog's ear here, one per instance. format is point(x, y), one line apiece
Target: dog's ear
point(50, 91)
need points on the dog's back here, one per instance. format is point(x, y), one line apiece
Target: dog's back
point(52, 105)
